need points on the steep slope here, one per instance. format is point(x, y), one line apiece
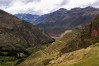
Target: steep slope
point(62, 19)
point(16, 34)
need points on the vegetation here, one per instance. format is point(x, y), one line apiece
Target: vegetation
point(8, 61)
point(83, 57)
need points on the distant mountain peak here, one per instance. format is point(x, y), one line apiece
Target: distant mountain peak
point(89, 7)
point(62, 9)
point(76, 9)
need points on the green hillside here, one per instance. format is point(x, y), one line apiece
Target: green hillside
point(43, 57)
point(82, 57)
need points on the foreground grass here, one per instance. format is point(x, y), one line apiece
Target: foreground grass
point(92, 59)
point(86, 58)
point(12, 61)
point(8, 61)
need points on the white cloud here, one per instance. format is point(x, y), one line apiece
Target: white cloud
point(38, 6)
point(42, 6)
point(79, 3)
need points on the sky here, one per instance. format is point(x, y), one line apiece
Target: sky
point(40, 7)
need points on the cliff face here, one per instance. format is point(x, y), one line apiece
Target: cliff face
point(17, 34)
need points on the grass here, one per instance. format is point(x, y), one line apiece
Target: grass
point(92, 60)
point(12, 61)
point(89, 59)
point(8, 61)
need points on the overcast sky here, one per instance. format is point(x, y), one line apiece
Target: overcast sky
point(43, 6)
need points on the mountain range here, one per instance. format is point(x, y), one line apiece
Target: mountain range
point(57, 22)
point(27, 17)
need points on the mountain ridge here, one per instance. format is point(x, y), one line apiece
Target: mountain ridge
point(71, 19)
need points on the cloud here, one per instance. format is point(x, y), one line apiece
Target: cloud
point(43, 6)
point(64, 2)
point(96, 4)
point(79, 3)
point(32, 6)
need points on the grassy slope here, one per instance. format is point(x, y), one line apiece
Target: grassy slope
point(86, 57)
point(42, 57)
point(8, 61)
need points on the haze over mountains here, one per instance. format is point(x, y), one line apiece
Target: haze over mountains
point(57, 22)
point(27, 17)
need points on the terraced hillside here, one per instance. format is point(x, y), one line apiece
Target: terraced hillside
point(42, 57)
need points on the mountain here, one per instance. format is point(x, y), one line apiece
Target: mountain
point(74, 48)
point(59, 21)
point(40, 19)
point(16, 34)
point(27, 17)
